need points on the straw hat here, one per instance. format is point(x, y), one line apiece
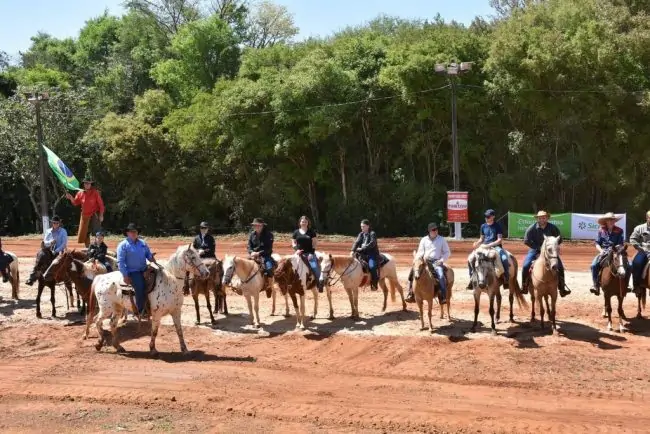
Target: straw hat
point(542, 213)
point(609, 216)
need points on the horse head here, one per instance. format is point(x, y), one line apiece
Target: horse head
point(418, 266)
point(484, 268)
point(43, 260)
point(327, 263)
point(284, 271)
point(228, 269)
point(618, 260)
point(550, 251)
point(58, 268)
point(193, 262)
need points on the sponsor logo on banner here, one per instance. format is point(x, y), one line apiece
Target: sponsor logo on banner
point(585, 226)
point(457, 207)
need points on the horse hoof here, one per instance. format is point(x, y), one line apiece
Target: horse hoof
point(639, 316)
point(213, 322)
point(331, 317)
point(424, 328)
point(38, 315)
point(197, 323)
point(622, 329)
point(186, 352)
point(153, 353)
point(120, 349)
point(494, 332)
point(98, 346)
point(256, 326)
point(609, 328)
point(473, 329)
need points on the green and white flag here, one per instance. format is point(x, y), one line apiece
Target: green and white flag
point(61, 170)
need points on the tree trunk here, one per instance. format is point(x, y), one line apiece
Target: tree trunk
point(344, 189)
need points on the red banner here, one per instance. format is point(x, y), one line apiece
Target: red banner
point(457, 207)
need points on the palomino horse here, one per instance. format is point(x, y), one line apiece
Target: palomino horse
point(426, 288)
point(14, 276)
point(252, 282)
point(204, 286)
point(291, 278)
point(544, 280)
point(613, 283)
point(44, 258)
point(166, 298)
point(352, 276)
point(484, 279)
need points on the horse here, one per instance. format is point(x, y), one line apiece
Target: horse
point(14, 275)
point(613, 283)
point(544, 280)
point(291, 277)
point(212, 283)
point(425, 287)
point(352, 275)
point(484, 279)
point(252, 282)
point(44, 258)
point(166, 298)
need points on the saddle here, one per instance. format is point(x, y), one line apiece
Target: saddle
point(383, 260)
point(150, 275)
point(311, 277)
point(267, 284)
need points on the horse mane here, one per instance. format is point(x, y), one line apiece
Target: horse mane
point(176, 265)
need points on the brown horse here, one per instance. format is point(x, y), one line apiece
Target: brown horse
point(14, 276)
point(613, 282)
point(426, 288)
point(288, 280)
point(544, 280)
point(212, 283)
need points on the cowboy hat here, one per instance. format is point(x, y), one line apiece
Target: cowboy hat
point(204, 225)
point(542, 213)
point(132, 227)
point(55, 219)
point(88, 180)
point(258, 221)
point(608, 216)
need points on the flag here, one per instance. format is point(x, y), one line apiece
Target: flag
point(61, 170)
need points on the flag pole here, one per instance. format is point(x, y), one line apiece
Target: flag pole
point(37, 99)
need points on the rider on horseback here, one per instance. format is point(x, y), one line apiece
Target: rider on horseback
point(534, 238)
point(56, 236)
point(132, 256)
point(366, 248)
point(304, 242)
point(435, 250)
point(609, 236)
point(260, 248)
point(491, 237)
point(98, 250)
point(204, 242)
point(640, 240)
point(5, 260)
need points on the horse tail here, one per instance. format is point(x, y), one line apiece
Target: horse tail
point(643, 298)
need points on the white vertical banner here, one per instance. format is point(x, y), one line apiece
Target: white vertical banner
point(585, 226)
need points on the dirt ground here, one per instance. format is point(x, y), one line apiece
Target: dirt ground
point(377, 375)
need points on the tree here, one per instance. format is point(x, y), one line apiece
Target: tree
point(169, 14)
point(270, 24)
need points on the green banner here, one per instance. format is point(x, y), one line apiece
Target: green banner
point(518, 223)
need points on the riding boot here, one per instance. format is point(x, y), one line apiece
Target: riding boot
point(410, 297)
point(595, 289)
point(5, 275)
point(506, 282)
point(524, 285)
point(561, 286)
point(268, 286)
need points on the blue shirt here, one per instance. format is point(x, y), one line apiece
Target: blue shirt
point(607, 239)
point(59, 237)
point(491, 232)
point(132, 256)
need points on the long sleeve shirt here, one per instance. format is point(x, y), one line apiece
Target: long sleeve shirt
point(205, 243)
point(132, 256)
point(90, 201)
point(640, 238)
point(98, 252)
point(367, 242)
point(262, 242)
point(534, 237)
point(59, 237)
point(607, 239)
point(434, 249)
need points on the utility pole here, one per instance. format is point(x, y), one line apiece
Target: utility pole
point(37, 99)
point(452, 71)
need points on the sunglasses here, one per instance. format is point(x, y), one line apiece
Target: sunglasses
point(434, 230)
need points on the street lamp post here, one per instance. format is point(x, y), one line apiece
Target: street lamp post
point(452, 71)
point(37, 99)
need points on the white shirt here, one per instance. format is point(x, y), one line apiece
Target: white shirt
point(434, 249)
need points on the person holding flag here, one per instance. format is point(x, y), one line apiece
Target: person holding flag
point(92, 210)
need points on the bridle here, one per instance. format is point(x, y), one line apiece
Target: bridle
point(227, 277)
point(346, 271)
point(548, 257)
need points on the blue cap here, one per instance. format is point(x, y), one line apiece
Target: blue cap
point(100, 233)
point(490, 213)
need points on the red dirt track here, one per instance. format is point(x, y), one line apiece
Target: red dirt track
point(377, 375)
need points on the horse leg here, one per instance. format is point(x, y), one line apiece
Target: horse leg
point(532, 304)
point(395, 283)
point(420, 303)
point(273, 297)
point(540, 303)
point(256, 306)
point(355, 295)
point(329, 300)
point(477, 300)
point(176, 317)
point(608, 311)
point(195, 296)
point(550, 313)
point(38, 299)
point(492, 313)
point(621, 315)
point(287, 314)
point(155, 323)
point(430, 311)
point(114, 331)
point(52, 300)
point(638, 309)
point(498, 311)
point(315, 292)
point(99, 319)
point(301, 314)
point(553, 311)
point(351, 298)
point(249, 303)
point(511, 299)
point(209, 306)
point(384, 289)
point(15, 285)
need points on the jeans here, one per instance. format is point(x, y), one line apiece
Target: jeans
point(504, 260)
point(595, 270)
point(372, 266)
point(268, 265)
point(139, 285)
point(528, 261)
point(638, 264)
point(440, 272)
point(314, 265)
point(108, 267)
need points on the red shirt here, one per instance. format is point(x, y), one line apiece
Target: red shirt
point(91, 202)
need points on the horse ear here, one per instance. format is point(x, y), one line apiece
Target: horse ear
point(189, 246)
point(42, 244)
point(545, 237)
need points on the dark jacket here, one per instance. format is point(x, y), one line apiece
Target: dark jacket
point(207, 244)
point(98, 252)
point(367, 242)
point(534, 237)
point(262, 243)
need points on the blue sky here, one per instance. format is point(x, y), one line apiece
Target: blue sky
point(22, 19)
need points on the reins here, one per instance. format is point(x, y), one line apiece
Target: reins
point(345, 272)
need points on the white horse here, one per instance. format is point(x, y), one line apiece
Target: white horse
point(250, 274)
point(165, 299)
point(14, 275)
point(352, 276)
